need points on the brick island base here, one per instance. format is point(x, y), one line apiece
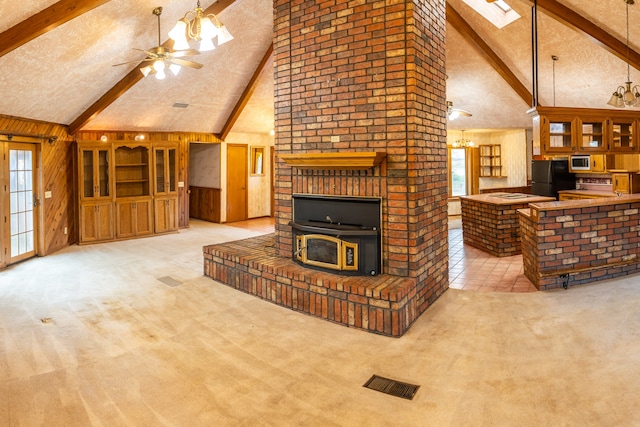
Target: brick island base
point(575, 242)
point(382, 304)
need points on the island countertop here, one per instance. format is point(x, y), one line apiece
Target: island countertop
point(583, 203)
point(507, 198)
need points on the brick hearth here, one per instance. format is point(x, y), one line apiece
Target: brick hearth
point(382, 304)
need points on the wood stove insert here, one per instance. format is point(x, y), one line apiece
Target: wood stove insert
point(339, 234)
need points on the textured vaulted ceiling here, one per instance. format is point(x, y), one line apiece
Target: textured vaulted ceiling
point(59, 75)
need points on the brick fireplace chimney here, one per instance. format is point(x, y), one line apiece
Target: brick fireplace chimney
point(368, 76)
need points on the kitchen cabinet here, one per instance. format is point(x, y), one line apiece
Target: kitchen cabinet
point(623, 135)
point(563, 130)
point(598, 163)
point(625, 182)
point(592, 134)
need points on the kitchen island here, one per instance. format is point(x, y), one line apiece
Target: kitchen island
point(490, 221)
point(580, 241)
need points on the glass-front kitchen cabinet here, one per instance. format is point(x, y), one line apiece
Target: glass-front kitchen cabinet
point(562, 130)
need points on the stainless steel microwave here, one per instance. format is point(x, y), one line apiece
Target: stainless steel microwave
point(580, 163)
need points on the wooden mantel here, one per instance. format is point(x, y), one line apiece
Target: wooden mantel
point(354, 160)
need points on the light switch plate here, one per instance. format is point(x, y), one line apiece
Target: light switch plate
point(47, 194)
point(181, 184)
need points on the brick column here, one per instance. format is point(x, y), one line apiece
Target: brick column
point(368, 75)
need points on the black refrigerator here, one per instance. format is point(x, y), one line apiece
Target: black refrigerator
point(550, 176)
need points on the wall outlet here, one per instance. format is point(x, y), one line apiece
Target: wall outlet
point(65, 230)
point(47, 194)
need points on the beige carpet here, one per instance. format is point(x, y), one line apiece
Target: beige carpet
point(90, 337)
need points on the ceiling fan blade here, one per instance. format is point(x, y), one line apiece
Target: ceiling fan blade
point(188, 52)
point(463, 112)
point(133, 62)
point(185, 63)
point(150, 53)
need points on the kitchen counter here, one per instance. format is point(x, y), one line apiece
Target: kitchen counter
point(490, 221)
point(580, 241)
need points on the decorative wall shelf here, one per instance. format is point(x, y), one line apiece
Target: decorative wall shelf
point(354, 160)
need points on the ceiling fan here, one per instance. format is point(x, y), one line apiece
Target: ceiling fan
point(454, 113)
point(161, 57)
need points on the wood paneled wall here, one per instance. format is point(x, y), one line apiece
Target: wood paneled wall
point(58, 177)
point(204, 203)
point(182, 138)
point(59, 172)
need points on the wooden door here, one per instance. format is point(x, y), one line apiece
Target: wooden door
point(237, 177)
point(19, 203)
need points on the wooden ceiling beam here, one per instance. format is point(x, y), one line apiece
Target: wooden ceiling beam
point(128, 81)
point(599, 36)
point(469, 34)
point(246, 95)
point(44, 21)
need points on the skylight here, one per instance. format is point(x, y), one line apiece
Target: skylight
point(498, 12)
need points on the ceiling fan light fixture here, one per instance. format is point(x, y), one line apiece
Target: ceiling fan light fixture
point(159, 67)
point(146, 70)
point(175, 69)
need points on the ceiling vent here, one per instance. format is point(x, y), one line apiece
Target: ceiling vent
point(180, 105)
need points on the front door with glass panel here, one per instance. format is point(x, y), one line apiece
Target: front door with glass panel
point(20, 215)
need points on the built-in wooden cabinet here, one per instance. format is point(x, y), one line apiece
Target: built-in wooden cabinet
point(134, 217)
point(562, 130)
point(96, 222)
point(625, 182)
point(623, 135)
point(165, 188)
point(94, 161)
point(491, 161)
point(126, 189)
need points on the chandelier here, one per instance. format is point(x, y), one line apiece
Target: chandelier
point(626, 95)
point(462, 142)
point(195, 25)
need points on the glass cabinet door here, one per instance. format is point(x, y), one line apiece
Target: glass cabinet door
point(88, 176)
point(103, 173)
point(166, 172)
point(95, 173)
point(622, 135)
point(592, 135)
point(560, 135)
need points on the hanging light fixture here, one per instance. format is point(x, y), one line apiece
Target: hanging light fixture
point(626, 95)
point(201, 28)
point(462, 142)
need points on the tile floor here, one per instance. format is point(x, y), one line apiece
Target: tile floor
point(469, 268)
